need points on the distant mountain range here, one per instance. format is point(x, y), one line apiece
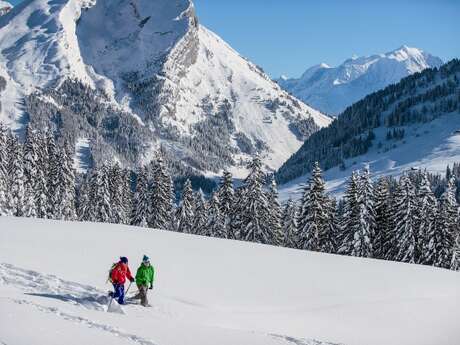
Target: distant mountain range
point(332, 89)
point(147, 77)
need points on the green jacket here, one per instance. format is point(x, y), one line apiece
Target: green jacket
point(144, 275)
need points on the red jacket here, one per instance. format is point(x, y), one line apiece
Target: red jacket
point(120, 273)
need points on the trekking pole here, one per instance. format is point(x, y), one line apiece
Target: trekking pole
point(110, 303)
point(126, 293)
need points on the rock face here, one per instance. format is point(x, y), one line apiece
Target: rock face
point(144, 75)
point(332, 89)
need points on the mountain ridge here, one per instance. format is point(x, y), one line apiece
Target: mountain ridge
point(332, 89)
point(152, 62)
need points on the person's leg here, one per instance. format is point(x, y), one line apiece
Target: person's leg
point(143, 292)
point(115, 293)
point(138, 295)
point(121, 294)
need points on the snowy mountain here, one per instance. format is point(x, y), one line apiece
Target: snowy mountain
point(5, 7)
point(413, 124)
point(332, 89)
point(209, 291)
point(129, 77)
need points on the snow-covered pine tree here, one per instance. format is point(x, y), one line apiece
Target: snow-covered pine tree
point(4, 190)
point(185, 212)
point(350, 220)
point(364, 232)
point(41, 182)
point(313, 215)
point(328, 239)
point(101, 199)
point(161, 202)
point(84, 209)
point(53, 178)
point(215, 226)
point(383, 219)
point(16, 177)
point(30, 172)
point(455, 264)
point(117, 185)
point(236, 218)
point(254, 207)
point(427, 207)
point(226, 195)
point(448, 227)
point(405, 230)
point(289, 225)
point(274, 215)
point(200, 213)
point(67, 183)
point(141, 200)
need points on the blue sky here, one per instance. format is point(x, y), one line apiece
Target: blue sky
point(288, 36)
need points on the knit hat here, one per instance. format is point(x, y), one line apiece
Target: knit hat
point(145, 259)
point(124, 259)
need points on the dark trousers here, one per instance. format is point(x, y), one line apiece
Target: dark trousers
point(119, 293)
point(142, 295)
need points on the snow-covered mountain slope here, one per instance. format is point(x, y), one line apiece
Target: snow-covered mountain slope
point(414, 124)
point(332, 89)
point(151, 61)
point(211, 291)
point(5, 7)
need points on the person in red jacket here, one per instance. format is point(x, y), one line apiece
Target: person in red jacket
point(118, 275)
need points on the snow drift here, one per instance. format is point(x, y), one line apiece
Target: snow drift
point(211, 291)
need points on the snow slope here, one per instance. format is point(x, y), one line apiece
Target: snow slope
point(211, 291)
point(332, 89)
point(154, 61)
point(431, 146)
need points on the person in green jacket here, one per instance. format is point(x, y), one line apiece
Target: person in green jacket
point(144, 280)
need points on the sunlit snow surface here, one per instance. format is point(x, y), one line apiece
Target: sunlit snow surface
point(210, 291)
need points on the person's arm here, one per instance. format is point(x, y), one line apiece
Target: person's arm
point(153, 276)
point(129, 275)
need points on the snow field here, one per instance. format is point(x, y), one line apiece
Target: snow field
point(211, 291)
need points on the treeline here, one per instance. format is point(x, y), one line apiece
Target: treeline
point(403, 220)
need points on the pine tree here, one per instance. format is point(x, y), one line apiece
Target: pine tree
point(363, 233)
point(289, 225)
point(101, 198)
point(226, 195)
point(67, 184)
point(405, 231)
point(252, 221)
point(4, 190)
point(328, 239)
point(185, 215)
point(426, 226)
point(141, 204)
point(161, 203)
point(84, 209)
point(16, 174)
point(274, 215)
point(215, 226)
point(117, 185)
point(313, 216)
point(41, 182)
point(54, 210)
point(30, 172)
point(383, 211)
point(448, 227)
point(200, 214)
point(350, 220)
